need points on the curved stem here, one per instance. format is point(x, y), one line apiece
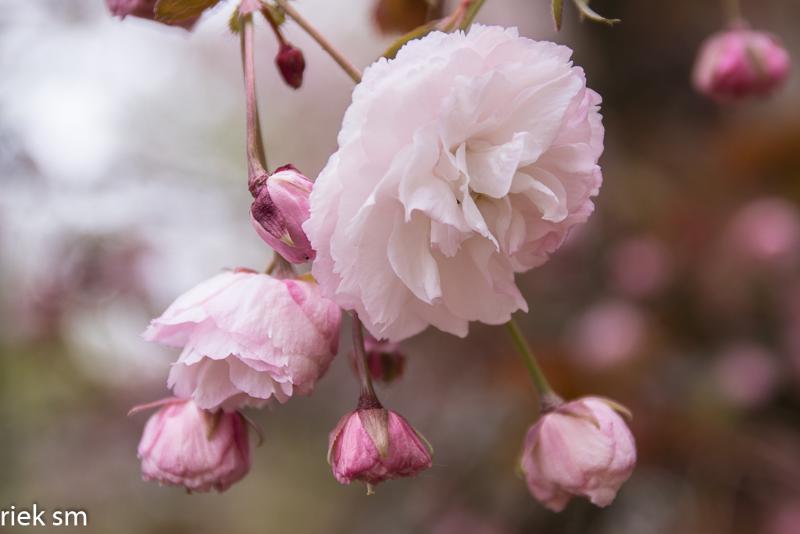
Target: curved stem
point(362, 367)
point(548, 398)
point(280, 267)
point(326, 45)
point(256, 158)
point(274, 25)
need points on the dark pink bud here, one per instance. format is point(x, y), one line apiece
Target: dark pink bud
point(374, 444)
point(144, 9)
point(183, 445)
point(291, 64)
point(279, 210)
point(384, 359)
point(739, 63)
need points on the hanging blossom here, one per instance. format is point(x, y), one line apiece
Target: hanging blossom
point(582, 448)
point(461, 162)
point(248, 337)
point(183, 445)
point(373, 444)
point(740, 63)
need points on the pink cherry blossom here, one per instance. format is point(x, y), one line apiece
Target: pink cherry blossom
point(582, 448)
point(374, 444)
point(247, 337)
point(183, 445)
point(464, 160)
point(765, 231)
point(747, 374)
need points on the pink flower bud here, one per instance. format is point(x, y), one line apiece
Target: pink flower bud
point(375, 444)
point(740, 63)
point(183, 445)
point(144, 9)
point(291, 64)
point(582, 448)
point(279, 210)
point(384, 359)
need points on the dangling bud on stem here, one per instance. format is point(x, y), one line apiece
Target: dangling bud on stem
point(582, 448)
point(740, 63)
point(291, 64)
point(373, 444)
point(183, 445)
point(289, 59)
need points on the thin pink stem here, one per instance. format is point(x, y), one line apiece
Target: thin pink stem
point(256, 158)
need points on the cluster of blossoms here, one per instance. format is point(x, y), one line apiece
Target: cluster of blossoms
point(462, 161)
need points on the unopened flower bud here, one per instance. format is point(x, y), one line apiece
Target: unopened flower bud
point(183, 445)
point(145, 9)
point(582, 448)
point(374, 444)
point(291, 64)
point(740, 63)
point(279, 210)
point(384, 359)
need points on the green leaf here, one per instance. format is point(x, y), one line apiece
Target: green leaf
point(589, 13)
point(171, 11)
point(558, 10)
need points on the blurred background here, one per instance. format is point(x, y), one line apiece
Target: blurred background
point(123, 183)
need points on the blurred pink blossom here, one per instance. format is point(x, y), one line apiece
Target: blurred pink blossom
point(746, 374)
point(767, 231)
point(183, 445)
point(385, 362)
point(739, 63)
point(608, 333)
point(582, 448)
point(785, 518)
point(640, 266)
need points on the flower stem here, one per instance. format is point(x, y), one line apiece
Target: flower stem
point(548, 398)
point(368, 398)
point(472, 12)
point(733, 11)
point(256, 157)
point(280, 268)
point(326, 45)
